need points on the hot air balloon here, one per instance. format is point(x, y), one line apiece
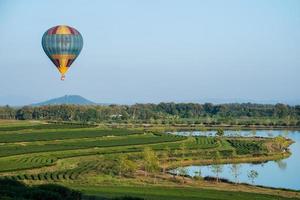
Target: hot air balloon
point(62, 44)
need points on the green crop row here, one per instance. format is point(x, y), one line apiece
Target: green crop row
point(27, 162)
point(45, 126)
point(246, 147)
point(71, 174)
point(64, 134)
point(60, 146)
point(206, 142)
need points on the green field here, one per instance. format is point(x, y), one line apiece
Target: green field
point(48, 135)
point(84, 157)
point(244, 147)
point(16, 149)
point(175, 193)
point(38, 126)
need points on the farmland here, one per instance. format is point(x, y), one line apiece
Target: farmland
point(89, 158)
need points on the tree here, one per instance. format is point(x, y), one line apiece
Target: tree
point(252, 175)
point(129, 168)
point(281, 110)
point(217, 168)
point(151, 162)
point(281, 142)
point(198, 174)
point(24, 113)
point(182, 172)
point(236, 171)
point(126, 167)
point(163, 112)
point(165, 155)
point(182, 148)
point(220, 132)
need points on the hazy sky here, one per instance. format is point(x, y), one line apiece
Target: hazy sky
point(155, 50)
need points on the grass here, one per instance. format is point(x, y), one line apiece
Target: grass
point(172, 193)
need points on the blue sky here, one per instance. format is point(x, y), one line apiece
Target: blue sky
point(153, 51)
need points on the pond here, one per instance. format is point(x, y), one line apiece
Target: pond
point(281, 174)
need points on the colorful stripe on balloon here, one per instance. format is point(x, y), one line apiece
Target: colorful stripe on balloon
point(63, 30)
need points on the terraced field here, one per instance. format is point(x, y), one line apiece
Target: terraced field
point(31, 147)
point(23, 149)
point(39, 126)
point(246, 147)
point(17, 149)
point(73, 133)
point(25, 162)
point(206, 142)
point(71, 174)
point(70, 153)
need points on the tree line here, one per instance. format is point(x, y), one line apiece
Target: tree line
point(159, 113)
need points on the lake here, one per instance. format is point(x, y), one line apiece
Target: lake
point(281, 174)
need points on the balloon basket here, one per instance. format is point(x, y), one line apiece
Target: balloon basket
point(63, 77)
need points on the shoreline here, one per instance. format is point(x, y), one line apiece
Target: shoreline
point(166, 127)
point(236, 160)
point(225, 127)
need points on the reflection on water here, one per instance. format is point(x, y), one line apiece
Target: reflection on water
point(281, 164)
point(283, 173)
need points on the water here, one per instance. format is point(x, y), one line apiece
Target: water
point(281, 174)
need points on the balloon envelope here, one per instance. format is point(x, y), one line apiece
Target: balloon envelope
point(62, 44)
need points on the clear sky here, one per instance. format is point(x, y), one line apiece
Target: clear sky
point(155, 50)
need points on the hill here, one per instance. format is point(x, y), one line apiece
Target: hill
point(67, 99)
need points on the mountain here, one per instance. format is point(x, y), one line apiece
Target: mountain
point(67, 99)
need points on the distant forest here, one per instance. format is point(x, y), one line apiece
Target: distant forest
point(163, 113)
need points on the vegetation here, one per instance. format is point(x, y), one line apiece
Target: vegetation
point(64, 134)
point(245, 147)
point(10, 189)
point(92, 159)
point(16, 149)
point(163, 113)
point(51, 125)
point(174, 193)
point(220, 132)
point(215, 168)
point(151, 162)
